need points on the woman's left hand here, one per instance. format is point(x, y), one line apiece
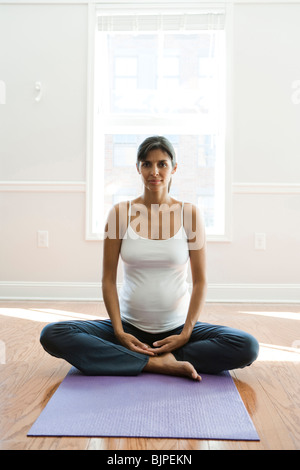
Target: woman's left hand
point(170, 343)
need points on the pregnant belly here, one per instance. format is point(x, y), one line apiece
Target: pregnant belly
point(157, 297)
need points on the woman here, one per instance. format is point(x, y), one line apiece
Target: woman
point(153, 325)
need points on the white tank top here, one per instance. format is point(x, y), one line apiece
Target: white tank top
point(154, 296)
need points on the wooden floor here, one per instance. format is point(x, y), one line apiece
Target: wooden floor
point(270, 388)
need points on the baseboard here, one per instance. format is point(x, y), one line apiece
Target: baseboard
point(254, 293)
point(92, 291)
point(64, 291)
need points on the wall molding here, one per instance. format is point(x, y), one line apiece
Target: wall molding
point(43, 186)
point(266, 188)
point(92, 291)
point(80, 186)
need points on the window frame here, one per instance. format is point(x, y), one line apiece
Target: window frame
point(94, 166)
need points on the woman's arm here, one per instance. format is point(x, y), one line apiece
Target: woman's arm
point(114, 230)
point(111, 252)
point(198, 295)
point(197, 251)
point(195, 230)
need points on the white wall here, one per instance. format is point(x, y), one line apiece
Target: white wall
point(43, 156)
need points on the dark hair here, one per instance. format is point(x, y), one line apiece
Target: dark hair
point(153, 143)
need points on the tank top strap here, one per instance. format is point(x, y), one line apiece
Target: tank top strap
point(129, 214)
point(182, 214)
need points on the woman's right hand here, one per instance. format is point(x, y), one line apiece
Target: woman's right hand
point(131, 342)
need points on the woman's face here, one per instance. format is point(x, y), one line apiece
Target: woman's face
point(156, 170)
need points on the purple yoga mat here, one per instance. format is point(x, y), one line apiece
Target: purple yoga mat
point(147, 405)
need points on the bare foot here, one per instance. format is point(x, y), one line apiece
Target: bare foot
point(168, 364)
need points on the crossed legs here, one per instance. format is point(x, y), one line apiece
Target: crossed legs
point(92, 347)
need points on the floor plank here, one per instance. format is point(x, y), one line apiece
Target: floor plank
point(269, 388)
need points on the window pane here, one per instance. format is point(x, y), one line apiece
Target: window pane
point(153, 68)
point(125, 66)
point(170, 66)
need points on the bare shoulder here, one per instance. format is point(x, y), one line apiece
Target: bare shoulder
point(192, 213)
point(116, 222)
point(194, 225)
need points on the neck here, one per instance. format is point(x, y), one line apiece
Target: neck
point(150, 198)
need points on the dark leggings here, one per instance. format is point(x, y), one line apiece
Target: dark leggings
point(92, 347)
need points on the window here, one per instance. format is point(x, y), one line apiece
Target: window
point(125, 73)
point(159, 73)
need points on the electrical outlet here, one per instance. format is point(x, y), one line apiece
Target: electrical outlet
point(260, 241)
point(43, 239)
